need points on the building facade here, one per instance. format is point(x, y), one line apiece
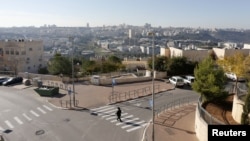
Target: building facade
point(21, 55)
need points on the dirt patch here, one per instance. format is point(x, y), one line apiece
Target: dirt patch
point(222, 111)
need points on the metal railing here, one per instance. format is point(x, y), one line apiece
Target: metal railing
point(175, 103)
point(208, 118)
point(118, 96)
point(68, 103)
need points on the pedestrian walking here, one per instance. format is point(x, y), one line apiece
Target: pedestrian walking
point(119, 113)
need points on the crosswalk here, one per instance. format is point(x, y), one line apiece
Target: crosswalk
point(24, 117)
point(129, 122)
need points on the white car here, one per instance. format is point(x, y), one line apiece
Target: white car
point(177, 81)
point(232, 76)
point(188, 79)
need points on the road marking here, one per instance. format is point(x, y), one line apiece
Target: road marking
point(122, 118)
point(27, 117)
point(130, 116)
point(18, 120)
point(113, 116)
point(98, 111)
point(1, 128)
point(107, 113)
point(9, 124)
point(133, 124)
point(48, 108)
point(34, 113)
point(100, 107)
point(135, 128)
point(41, 110)
point(127, 122)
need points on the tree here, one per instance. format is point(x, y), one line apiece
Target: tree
point(246, 109)
point(235, 64)
point(209, 81)
point(160, 63)
point(59, 65)
point(180, 66)
point(114, 59)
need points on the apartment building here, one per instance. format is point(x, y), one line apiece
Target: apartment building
point(198, 54)
point(223, 52)
point(191, 54)
point(21, 55)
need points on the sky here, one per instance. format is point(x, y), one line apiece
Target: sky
point(164, 13)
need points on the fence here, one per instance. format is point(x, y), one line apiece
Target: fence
point(118, 97)
point(68, 103)
point(175, 103)
point(208, 118)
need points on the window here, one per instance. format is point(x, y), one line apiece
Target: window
point(30, 49)
point(12, 51)
point(23, 52)
point(17, 52)
point(7, 52)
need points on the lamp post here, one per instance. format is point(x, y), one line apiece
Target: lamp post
point(72, 61)
point(153, 85)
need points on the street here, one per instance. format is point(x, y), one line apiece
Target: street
point(25, 116)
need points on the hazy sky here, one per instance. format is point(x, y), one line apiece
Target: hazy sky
point(165, 13)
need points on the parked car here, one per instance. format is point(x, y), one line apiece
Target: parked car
point(232, 76)
point(177, 81)
point(13, 80)
point(2, 79)
point(188, 80)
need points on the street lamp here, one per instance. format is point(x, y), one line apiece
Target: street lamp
point(153, 85)
point(72, 61)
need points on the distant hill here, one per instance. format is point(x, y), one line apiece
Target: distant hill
point(233, 36)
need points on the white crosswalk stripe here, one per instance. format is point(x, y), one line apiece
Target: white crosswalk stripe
point(106, 114)
point(129, 122)
point(133, 124)
point(34, 113)
point(122, 119)
point(41, 110)
point(9, 124)
point(27, 117)
point(18, 120)
point(113, 116)
point(135, 128)
point(1, 128)
point(48, 108)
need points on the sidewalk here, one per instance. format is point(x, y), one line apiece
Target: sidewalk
point(91, 96)
point(174, 125)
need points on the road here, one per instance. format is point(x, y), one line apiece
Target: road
point(25, 116)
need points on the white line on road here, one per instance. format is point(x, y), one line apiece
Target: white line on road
point(133, 124)
point(98, 111)
point(130, 116)
point(123, 118)
point(27, 117)
point(41, 110)
point(48, 108)
point(107, 113)
point(18, 120)
point(100, 108)
point(127, 122)
point(9, 124)
point(135, 128)
point(1, 128)
point(113, 116)
point(34, 113)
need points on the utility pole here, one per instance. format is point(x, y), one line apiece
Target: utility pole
point(153, 85)
point(72, 61)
